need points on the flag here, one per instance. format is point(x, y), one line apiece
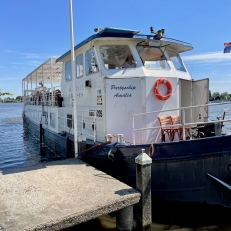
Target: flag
point(227, 48)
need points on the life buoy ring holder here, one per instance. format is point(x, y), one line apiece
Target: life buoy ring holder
point(157, 92)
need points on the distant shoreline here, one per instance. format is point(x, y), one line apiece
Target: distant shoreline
point(219, 101)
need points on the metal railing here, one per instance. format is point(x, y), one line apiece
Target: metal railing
point(183, 124)
point(82, 121)
point(43, 96)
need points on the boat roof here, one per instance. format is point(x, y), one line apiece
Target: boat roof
point(111, 32)
point(49, 71)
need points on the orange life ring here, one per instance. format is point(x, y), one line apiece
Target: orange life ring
point(157, 92)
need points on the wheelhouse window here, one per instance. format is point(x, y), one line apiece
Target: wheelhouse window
point(91, 62)
point(152, 57)
point(117, 57)
point(68, 72)
point(176, 60)
point(79, 66)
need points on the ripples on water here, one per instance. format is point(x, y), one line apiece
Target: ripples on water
point(20, 148)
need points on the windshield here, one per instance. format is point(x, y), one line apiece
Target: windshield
point(152, 57)
point(117, 57)
point(176, 60)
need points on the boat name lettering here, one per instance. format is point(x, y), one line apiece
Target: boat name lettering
point(123, 95)
point(114, 87)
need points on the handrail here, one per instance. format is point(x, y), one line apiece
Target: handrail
point(179, 108)
point(183, 124)
point(82, 121)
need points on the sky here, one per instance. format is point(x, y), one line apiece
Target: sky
point(34, 30)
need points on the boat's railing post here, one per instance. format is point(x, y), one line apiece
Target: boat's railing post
point(82, 121)
point(95, 128)
point(133, 127)
point(183, 123)
point(65, 121)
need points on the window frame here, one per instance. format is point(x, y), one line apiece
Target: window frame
point(123, 60)
point(178, 58)
point(163, 54)
point(86, 62)
point(69, 64)
point(76, 59)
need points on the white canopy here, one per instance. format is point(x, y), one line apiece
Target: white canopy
point(48, 72)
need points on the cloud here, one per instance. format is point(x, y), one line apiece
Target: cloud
point(31, 56)
point(8, 51)
point(8, 78)
point(207, 58)
point(17, 63)
point(220, 81)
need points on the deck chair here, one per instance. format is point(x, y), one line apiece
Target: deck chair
point(179, 130)
point(166, 121)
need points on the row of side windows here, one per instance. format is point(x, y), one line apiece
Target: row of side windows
point(91, 65)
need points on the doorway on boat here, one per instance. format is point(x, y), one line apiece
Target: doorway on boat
point(194, 93)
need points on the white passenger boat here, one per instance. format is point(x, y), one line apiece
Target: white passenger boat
point(131, 92)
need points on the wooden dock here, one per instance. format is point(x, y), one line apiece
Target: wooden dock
point(57, 195)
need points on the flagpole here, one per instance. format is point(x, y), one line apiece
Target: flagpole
point(73, 79)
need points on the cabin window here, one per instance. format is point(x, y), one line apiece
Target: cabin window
point(116, 57)
point(52, 119)
point(152, 57)
point(79, 66)
point(40, 115)
point(68, 72)
point(176, 60)
point(45, 117)
point(91, 62)
point(70, 122)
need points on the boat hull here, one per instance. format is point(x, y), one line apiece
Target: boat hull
point(181, 171)
point(186, 178)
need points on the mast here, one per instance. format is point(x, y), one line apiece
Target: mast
point(73, 79)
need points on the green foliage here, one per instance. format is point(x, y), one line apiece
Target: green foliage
point(19, 98)
point(5, 93)
point(225, 96)
point(215, 94)
point(220, 96)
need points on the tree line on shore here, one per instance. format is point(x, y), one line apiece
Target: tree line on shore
point(216, 96)
point(18, 99)
point(8, 99)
